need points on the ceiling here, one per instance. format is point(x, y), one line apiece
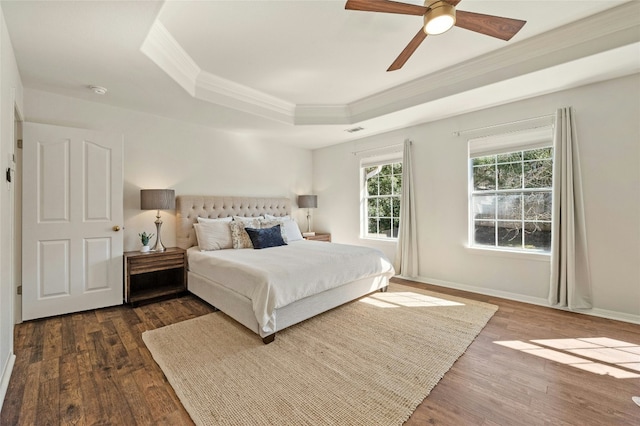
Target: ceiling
point(303, 72)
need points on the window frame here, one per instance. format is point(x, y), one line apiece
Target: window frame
point(496, 145)
point(378, 161)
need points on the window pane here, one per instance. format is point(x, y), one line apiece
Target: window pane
point(372, 207)
point(396, 226)
point(537, 235)
point(510, 176)
point(510, 234)
point(396, 185)
point(484, 233)
point(396, 206)
point(538, 174)
point(372, 186)
point(369, 169)
point(484, 206)
point(384, 205)
point(385, 227)
point(537, 154)
point(510, 157)
point(537, 206)
point(373, 226)
point(386, 169)
point(490, 159)
point(484, 177)
point(510, 206)
point(397, 168)
point(385, 185)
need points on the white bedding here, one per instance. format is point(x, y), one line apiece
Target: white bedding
point(275, 277)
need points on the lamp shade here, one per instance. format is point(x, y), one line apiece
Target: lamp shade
point(308, 201)
point(157, 199)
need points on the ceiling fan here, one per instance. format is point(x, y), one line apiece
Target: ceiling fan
point(439, 17)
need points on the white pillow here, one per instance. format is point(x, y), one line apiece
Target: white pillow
point(272, 217)
point(213, 235)
point(292, 231)
point(208, 220)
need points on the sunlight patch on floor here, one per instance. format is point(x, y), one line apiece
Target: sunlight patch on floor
point(407, 299)
point(599, 355)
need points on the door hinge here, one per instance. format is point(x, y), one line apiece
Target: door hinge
point(19, 143)
point(19, 290)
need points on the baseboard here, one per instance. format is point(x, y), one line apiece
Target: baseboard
point(6, 375)
point(602, 313)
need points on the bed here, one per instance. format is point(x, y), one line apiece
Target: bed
point(271, 289)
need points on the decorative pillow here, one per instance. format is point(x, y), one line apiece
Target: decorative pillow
point(266, 237)
point(239, 236)
point(208, 220)
point(292, 231)
point(213, 235)
point(270, 223)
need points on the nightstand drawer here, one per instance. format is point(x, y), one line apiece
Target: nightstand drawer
point(141, 265)
point(319, 237)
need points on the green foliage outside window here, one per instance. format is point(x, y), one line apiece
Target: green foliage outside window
point(382, 200)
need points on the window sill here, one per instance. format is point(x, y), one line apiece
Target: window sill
point(380, 240)
point(537, 256)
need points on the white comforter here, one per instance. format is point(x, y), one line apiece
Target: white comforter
point(275, 277)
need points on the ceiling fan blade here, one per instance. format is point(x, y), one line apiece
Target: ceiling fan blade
point(408, 51)
point(386, 6)
point(494, 26)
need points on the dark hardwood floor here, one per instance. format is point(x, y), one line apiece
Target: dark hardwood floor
point(93, 368)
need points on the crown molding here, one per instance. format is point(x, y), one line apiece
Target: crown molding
point(168, 54)
point(604, 31)
point(213, 88)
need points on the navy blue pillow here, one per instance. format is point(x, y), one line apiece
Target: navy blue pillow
point(265, 238)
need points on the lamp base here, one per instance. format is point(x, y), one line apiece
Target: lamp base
point(158, 245)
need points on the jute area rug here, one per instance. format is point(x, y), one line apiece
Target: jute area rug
point(370, 362)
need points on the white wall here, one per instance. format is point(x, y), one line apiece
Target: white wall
point(164, 153)
point(608, 114)
point(10, 97)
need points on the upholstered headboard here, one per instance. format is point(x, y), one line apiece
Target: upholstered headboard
point(189, 207)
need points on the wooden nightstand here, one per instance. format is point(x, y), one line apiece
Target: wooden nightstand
point(319, 237)
point(153, 275)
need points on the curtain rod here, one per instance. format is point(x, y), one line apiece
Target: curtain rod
point(497, 126)
point(381, 147)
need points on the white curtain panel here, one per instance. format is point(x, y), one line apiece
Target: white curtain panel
point(406, 260)
point(570, 275)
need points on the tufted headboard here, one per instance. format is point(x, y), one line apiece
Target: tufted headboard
point(189, 207)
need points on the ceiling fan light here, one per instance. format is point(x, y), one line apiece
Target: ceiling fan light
point(440, 18)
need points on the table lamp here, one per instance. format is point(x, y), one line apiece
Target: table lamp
point(157, 199)
point(308, 202)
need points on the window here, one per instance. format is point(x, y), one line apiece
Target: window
point(382, 189)
point(510, 192)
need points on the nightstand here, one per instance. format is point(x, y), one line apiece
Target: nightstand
point(153, 275)
point(319, 237)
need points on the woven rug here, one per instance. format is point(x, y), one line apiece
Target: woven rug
point(370, 362)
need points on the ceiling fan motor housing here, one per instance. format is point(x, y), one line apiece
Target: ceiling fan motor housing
point(440, 17)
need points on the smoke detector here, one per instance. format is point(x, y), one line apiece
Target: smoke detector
point(98, 90)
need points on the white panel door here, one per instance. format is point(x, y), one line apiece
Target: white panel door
point(71, 217)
